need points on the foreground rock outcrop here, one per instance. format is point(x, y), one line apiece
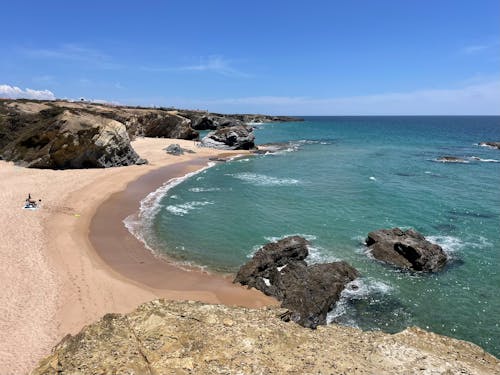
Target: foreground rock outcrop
point(406, 249)
point(162, 337)
point(230, 138)
point(278, 269)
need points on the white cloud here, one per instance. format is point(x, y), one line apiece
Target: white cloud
point(13, 92)
point(474, 99)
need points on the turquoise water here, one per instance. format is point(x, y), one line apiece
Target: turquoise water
point(341, 178)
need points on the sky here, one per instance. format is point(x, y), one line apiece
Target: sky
point(350, 57)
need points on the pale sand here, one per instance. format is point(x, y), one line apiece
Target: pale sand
point(53, 281)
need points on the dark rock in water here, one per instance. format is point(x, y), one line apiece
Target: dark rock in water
point(174, 149)
point(230, 138)
point(406, 249)
point(451, 159)
point(445, 227)
point(63, 139)
point(308, 292)
point(490, 144)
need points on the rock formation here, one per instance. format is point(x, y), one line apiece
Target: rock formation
point(308, 292)
point(230, 138)
point(162, 337)
point(168, 125)
point(70, 139)
point(490, 144)
point(451, 159)
point(406, 249)
point(63, 134)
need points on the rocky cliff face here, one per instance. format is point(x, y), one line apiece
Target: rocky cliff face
point(71, 139)
point(60, 134)
point(163, 337)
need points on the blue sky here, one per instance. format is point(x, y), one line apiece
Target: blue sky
point(283, 57)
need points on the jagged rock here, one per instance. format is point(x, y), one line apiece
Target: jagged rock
point(70, 139)
point(406, 249)
point(174, 149)
point(168, 125)
point(309, 292)
point(164, 337)
point(451, 159)
point(490, 144)
point(230, 138)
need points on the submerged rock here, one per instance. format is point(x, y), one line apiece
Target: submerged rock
point(230, 138)
point(165, 337)
point(406, 249)
point(308, 292)
point(451, 159)
point(490, 144)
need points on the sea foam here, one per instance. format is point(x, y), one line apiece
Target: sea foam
point(140, 223)
point(263, 180)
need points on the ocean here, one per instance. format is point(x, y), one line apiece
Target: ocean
point(338, 178)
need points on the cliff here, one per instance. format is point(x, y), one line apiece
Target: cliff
point(163, 337)
point(62, 134)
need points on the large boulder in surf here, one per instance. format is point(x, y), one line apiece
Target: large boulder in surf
point(230, 138)
point(406, 249)
point(60, 139)
point(490, 144)
point(308, 292)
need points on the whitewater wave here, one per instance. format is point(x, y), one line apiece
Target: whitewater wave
point(263, 180)
point(203, 190)
point(360, 288)
point(185, 208)
point(140, 223)
point(449, 244)
point(476, 158)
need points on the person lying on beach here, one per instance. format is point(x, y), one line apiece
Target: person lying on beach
point(31, 202)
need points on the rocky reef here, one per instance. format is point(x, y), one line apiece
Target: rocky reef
point(163, 337)
point(490, 144)
point(63, 134)
point(406, 249)
point(309, 292)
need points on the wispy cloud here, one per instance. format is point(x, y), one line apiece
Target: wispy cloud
point(14, 92)
point(213, 64)
point(474, 99)
point(480, 47)
point(469, 50)
point(73, 53)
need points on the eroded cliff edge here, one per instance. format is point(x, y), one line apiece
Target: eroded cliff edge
point(165, 337)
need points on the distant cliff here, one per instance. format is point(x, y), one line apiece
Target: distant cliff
point(62, 134)
point(162, 337)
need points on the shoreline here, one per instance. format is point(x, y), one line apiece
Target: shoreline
point(131, 259)
point(55, 282)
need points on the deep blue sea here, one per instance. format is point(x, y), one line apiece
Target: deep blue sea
point(340, 178)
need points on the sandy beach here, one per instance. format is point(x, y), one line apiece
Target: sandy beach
point(71, 261)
